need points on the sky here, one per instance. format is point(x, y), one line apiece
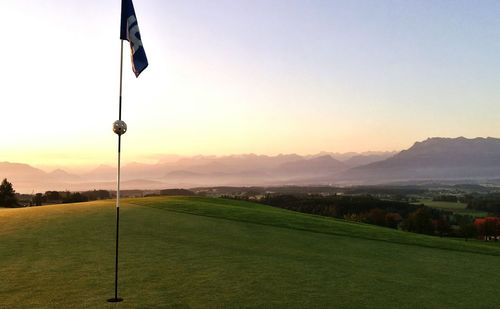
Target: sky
point(245, 76)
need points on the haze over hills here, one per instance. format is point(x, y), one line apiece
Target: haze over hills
point(324, 164)
point(177, 171)
point(454, 159)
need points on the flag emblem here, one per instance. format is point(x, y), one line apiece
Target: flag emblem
point(129, 31)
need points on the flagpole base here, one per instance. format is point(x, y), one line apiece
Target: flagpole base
point(115, 300)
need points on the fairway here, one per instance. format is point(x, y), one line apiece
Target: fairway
point(192, 252)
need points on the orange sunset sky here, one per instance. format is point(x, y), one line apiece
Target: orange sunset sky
point(230, 77)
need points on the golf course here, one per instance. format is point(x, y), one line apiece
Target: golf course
point(196, 252)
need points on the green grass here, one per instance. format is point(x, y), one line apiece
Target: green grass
point(458, 208)
point(214, 253)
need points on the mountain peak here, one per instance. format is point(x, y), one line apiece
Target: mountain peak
point(460, 144)
point(439, 158)
point(58, 171)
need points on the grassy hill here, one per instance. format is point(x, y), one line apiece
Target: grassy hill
point(202, 252)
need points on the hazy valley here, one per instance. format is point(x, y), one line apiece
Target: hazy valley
point(435, 159)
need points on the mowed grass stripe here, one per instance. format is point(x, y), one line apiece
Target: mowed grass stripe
point(177, 260)
point(242, 211)
point(320, 270)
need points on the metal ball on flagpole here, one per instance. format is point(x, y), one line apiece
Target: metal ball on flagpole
point(119, 127)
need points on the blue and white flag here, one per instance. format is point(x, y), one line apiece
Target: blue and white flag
point(129, 31)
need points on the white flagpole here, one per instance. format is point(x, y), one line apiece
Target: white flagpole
point(119, 127)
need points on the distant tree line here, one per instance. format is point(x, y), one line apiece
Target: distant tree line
point(55, 197)
point(446, 198)
point(386, 190)
point(393, 191)
point(484, 202)
point(182, 192)
point(371, 210)
point(338, 206)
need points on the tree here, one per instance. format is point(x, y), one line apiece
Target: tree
point(468, 230)
point(76, 197)
point(442, 227)
point(96, 195)
point(52, 196)
point(7, 194)
point(377, 216)
point(490, 229)
point(419, 221)
point(392, 219)
point(38, 199)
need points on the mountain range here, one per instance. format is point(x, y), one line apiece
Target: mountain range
point(452, 159)
point(436, 159)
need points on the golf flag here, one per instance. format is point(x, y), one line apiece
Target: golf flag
point(129, 31)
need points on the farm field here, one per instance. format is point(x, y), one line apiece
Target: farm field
point(458, 208)
point(210, 253)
